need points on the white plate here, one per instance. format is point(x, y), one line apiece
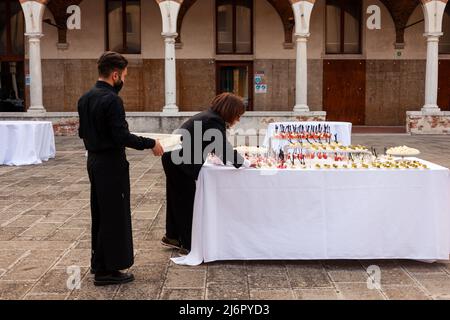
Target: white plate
point(402, 155)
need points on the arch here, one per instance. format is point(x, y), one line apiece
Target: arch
point(283, 8)
point(401, 11)
point(58, 9)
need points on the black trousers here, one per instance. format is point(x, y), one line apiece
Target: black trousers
point(180, 195)
point(112, 239)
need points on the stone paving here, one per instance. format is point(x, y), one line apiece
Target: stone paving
point(45, 228)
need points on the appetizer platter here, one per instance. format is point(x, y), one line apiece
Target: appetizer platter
point(330, 156)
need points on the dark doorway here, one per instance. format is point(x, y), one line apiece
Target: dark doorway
point(344, 85)
point(444, 85)
point(237, 78)
point(12, 75)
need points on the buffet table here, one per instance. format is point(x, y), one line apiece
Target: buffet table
point(343, 130)
point(263, 214)
point(26, 142)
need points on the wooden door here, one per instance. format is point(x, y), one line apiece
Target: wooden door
point(344, 85)
point(237, 78)
point(444, 85)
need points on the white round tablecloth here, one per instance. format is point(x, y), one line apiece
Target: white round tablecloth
point(26, 142)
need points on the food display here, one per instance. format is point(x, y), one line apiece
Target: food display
point(319, 156)
point(251, 151)
point(403, 151)
point(309, 133)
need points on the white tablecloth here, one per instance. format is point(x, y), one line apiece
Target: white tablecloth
point(342, 129)
point(317, 214)
point(26, 142)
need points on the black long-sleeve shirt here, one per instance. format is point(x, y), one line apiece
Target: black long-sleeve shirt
point(208, 120)
point(103, 126)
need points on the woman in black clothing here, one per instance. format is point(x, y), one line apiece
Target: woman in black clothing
point(182, 168)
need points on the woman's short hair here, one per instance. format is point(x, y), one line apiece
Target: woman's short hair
point(110, 62)
point(229, 106)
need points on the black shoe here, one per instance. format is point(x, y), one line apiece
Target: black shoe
point(170, 243)
point(111, 278)
point(183, 252)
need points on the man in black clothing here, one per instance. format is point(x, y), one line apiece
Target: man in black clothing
point(105, 133)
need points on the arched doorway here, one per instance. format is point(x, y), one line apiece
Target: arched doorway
point(12, 84)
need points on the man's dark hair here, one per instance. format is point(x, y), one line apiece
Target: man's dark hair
point(110, 62)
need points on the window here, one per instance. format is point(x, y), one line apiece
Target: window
point(234, 26)
point(444, 43)
point(11, 29)
point(123, 26)
point(343, 27)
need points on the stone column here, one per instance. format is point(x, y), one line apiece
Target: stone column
point(170, 74)
point(301, 72)
point(34, 12)
point(302, 13)
point(432, 73)
point(169, 12)
point(433, 13)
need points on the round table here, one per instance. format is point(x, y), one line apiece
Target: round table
point(26, 142)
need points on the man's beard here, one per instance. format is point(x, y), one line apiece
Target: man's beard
point(118, 85)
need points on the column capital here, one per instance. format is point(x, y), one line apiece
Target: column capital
point(33, 36)
point(433, 36)
point(169, 35)
point(302, 36)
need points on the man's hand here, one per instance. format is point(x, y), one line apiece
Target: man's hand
point(158, 149)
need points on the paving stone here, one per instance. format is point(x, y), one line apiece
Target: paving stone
point(14, 290)
point(437, 285)
point(404, 293)
point(346, 271)
point(227, 275)
point(39, 231)
point(259, 281)
point(152, 273)
point(155, 233)
point(53, 282)
point(183, 294)
point(422, 267)
point(271, 294)
point(150, 257)
point(358, 291)
point(308, 276)
point(227, 292)
point(45, 296)
point(76, 257)
point(185, 279)
point(8, 258)
point(23, 221)
point(316, 294)
point(33, 266)
point(66, 235)
point(9, 233)
point(138, 290)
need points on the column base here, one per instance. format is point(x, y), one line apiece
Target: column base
point(36, 109)
point(431, 109)
point(301, 108)
point(171, 109)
